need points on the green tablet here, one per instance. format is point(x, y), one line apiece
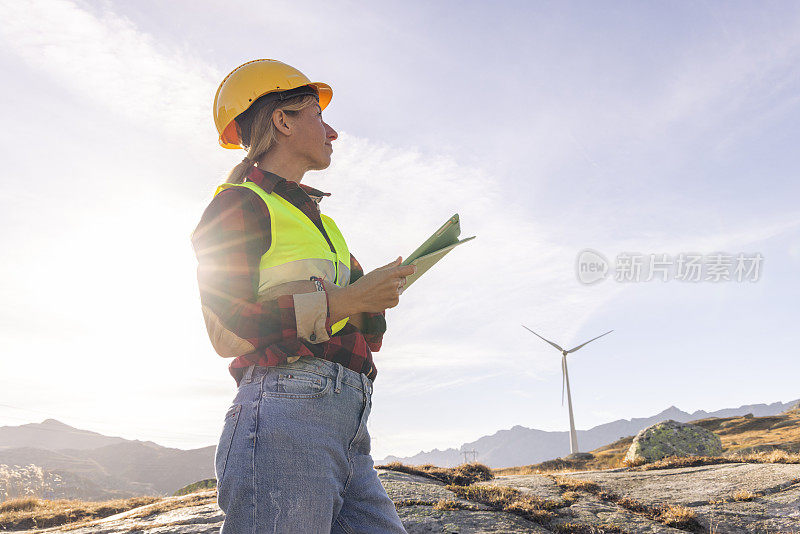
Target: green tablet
point(434, 248)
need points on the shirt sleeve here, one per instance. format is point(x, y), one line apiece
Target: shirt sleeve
point(374, 323)
point(233, 234)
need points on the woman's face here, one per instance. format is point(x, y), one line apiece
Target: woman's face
point(312, 137)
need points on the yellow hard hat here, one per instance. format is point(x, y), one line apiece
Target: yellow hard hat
point(254, 79)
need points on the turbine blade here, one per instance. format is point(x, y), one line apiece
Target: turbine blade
point(581, 345)
point(563, 377)
point(540, 337)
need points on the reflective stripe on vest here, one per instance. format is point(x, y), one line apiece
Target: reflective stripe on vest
point(298, 250)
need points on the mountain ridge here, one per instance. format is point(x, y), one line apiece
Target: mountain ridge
point(62, 461)
point(521, 445)
point(89, 465)
point(69, 437)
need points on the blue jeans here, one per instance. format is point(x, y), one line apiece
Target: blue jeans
point(294, 454)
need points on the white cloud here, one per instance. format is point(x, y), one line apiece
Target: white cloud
point(106, 60)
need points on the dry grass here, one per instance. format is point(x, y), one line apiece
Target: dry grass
point(737, 496)
point(509, 500)
point(749, 431)
point(635, 462)
point(541, 511)
point(580, 528)
point(441, 504)
point(606, 457)
point(549, 466)
point(631, 504)
point(735, 432)
point(399, 503)
point(22, 504)
point(743, 495)
point(576, 484)
point(545, 512)
point(771, 457)
point(449, 504)
point(614, 457)
point(173, 503)
point(495, 496)
point(32, 513)
point(677, 516)
point(670, 515)
point(463, 475)
point(29, 512)
point(714, 529)
point(670, 462)
point(202, 485)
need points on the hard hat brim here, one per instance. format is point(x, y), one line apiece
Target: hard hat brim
point(325, 93)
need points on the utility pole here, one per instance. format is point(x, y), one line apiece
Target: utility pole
point(473, 453)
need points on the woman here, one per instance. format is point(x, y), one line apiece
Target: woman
point(283, 296)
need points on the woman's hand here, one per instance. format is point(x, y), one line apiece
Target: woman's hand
point(373, 292)
point(381, 288)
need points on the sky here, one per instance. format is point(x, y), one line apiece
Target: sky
point(551, 128)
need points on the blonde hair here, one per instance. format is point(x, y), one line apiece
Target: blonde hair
point(259, 134)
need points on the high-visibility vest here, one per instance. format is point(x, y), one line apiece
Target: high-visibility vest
point(298, 250)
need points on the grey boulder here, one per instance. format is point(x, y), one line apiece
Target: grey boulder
point(671, 438)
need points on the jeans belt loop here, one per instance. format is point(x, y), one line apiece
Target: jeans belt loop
point(365, 384)
point(339, 373)
point(248, 374)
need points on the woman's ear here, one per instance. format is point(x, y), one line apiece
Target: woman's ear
point(281, 121)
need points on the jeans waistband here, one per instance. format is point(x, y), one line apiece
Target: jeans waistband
point(333, 370)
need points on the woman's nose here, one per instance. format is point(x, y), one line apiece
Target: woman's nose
point(331, 133)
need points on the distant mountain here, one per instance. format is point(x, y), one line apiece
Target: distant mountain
point(166, 469)
point(52, 434)
point(54, 460)
point(523, 446)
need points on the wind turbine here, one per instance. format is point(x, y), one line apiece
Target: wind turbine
point(573, 436)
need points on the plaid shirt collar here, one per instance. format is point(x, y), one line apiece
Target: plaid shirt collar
point(269, 181)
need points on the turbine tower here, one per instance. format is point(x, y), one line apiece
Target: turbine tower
point(573, 436)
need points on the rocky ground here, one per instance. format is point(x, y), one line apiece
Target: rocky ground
point(619, 500)
point(709, 491)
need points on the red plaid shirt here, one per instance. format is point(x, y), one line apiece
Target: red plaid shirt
point(233, 234)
